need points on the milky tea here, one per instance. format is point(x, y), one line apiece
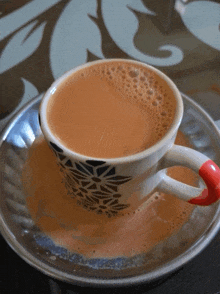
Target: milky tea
point(111, 110)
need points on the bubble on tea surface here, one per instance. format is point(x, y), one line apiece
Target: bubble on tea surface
point(170, 115)
point(163, 113)
point(159, 98)
point(146, 74)
point(133, 73)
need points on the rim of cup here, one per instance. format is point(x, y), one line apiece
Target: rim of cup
point(133, 157)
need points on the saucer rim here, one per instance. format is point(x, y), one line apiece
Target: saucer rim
point(166, 269)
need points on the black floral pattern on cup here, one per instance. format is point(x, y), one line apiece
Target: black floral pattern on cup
point(93, 183)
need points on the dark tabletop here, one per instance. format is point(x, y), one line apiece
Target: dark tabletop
point(40, 40)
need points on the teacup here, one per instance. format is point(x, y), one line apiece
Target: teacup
point(114, 186)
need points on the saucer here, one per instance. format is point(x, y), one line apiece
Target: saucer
point(37, 249)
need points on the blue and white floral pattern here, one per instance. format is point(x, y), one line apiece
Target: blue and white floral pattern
point(41, 40)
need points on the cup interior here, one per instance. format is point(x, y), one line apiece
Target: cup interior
point(163, 141)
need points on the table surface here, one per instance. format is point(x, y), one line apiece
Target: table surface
point(40, 40)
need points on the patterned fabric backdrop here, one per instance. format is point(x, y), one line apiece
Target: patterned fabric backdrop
point(40, 40)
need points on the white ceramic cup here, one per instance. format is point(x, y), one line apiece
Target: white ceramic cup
point(112, 186)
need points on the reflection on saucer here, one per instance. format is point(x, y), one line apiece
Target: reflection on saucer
point(92, 235)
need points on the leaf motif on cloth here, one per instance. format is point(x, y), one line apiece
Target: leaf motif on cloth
point(202, 19)
point(124, 26)
point(21, 46)
point(74, 34)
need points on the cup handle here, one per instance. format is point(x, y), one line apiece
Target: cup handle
point(202, 165)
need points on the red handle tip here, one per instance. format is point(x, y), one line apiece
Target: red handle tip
point(210, 173)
